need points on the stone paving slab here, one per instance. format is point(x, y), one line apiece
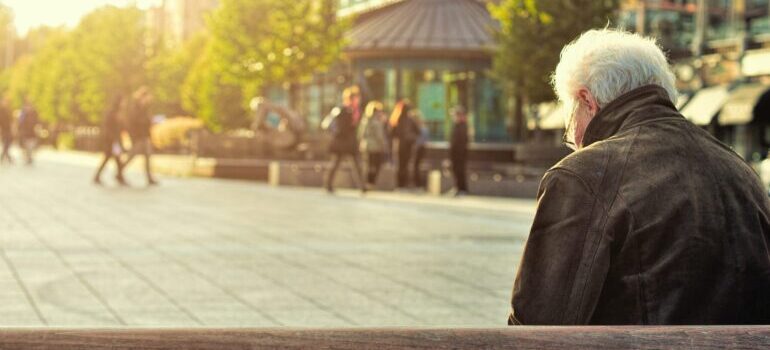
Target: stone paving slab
point(206, 252)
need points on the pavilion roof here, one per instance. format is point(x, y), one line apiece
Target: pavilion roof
point(449, 28)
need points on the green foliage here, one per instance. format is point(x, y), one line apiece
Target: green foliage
point(167, 71)
point(6, 35)
point(217, 101)
point(255, 44)
point(111, 56)
point(531, 36)
point(36, 39)
point(72, 76)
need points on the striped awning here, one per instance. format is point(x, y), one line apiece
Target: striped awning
point(739, 108)
point(705, 105)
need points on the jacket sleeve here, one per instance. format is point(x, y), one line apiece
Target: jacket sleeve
point(564, 263)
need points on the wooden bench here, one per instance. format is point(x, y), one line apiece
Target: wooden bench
point(735, 337)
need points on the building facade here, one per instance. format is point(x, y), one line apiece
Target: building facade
point(188, 17)
point(437, 53)
point(434, 53)
point(176, 21)
point(720, 53)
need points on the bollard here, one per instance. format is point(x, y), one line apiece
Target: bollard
point(434, 182)
point(274, 174)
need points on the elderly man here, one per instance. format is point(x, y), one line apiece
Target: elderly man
point(651, 220)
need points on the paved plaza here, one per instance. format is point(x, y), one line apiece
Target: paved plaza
point(206, 252)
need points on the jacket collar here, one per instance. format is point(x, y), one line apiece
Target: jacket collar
point(628, 110)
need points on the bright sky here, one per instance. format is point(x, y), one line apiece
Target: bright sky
point(33, 13)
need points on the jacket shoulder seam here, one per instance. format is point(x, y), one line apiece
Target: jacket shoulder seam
point(573, 174)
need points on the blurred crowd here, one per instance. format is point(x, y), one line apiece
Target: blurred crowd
point(365, 134)
point(130, 115)
point(18, 126)
point(368, 135)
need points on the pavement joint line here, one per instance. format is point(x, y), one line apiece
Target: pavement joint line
point(484, 290)
point(23, 287)
point(69, 266)
point(162, 253)
point(130, 268)
point(279, 283)
point(204, 277)
point(381, 274)
point(469, 285)
point(242, 242)
point(386, 276)
point(290, 234)
point(278, 257)
point(306, 268)
point(395, 307)
point(289, 288)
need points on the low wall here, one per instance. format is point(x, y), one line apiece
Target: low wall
point(488, 182)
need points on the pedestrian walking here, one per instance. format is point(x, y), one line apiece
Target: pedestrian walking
point(403, 130)
point(651, 221)
point(139, 127)
point(111, 145)
point(355, 104)
point(344, 142)
point(420, 147)
point(27, 131)
point(6, 131)
point(458, 150)
point(374, 140)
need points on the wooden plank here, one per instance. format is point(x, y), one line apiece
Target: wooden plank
point(736, 337)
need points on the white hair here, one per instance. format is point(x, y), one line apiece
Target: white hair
point(610, 63)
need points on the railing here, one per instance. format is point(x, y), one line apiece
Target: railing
point(732, 337)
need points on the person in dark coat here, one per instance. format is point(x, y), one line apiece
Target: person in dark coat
point(406, 132)
point(6, 131)
point(344, 143)
point(458, 150)
point(139, 129)
point(28, 121)
point(651, 221)
point(420, 147)
point(110, 141)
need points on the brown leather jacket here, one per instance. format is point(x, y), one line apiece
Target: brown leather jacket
point(652, 222)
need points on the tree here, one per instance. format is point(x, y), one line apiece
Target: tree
point(168, 70)
point(7, 35)
point(51, 83)
point(215, 100)
point(255, 44)
point(43, 67)
point(531, 36)
point(70, 76)
point(109, 44)
point(36, 39)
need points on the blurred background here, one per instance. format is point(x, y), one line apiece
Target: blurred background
point(205, 60)
point(240, 89)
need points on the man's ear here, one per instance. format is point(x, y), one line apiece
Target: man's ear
point(588, 99)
